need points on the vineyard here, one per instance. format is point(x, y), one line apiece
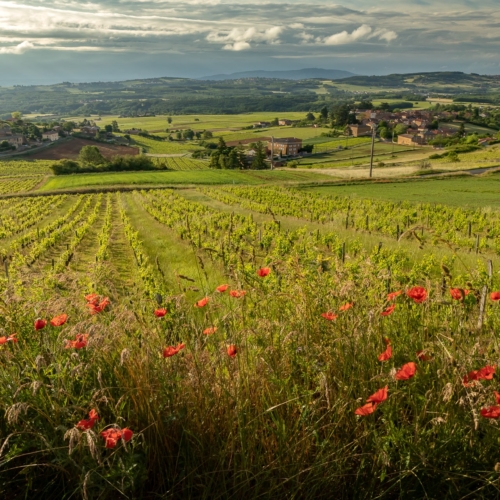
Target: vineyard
point(183, 163)
point(247, 341)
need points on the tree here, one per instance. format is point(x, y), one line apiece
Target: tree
point(169, 119)
point(4, 145)
point(461, 130)
point(114, 125)
point(222, 147)
point(434, 125)
point(223, 161)
point(214, 159)
point(207, 134)
point(324, 113)
point(68, 126)
point(91, 156)
point(400, 129)
point(384, 132)
point(275, 122)
point(258, 162)
point(310, 117)
point(365, 105)
point(341, 115)
point(188, 134)
point(108, 128)
point(178, 135)
point(17, 115)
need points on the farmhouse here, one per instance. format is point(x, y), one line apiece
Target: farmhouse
point(15, 140)
point(91, 131)
point(284, 121)
point(51, 135)
point(288, 146)
point(261, 125)
point(411, 140)
point(360, 130)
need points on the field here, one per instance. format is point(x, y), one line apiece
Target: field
point(184, 177)
point(299, 374)
point(70, 149)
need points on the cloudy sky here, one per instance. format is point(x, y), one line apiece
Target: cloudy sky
point(44, 41)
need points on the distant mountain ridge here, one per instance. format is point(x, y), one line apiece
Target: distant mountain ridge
point(298, 74)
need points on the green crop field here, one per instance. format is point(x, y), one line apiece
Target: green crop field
point(474, 191)
point(185, 177)
point(163, 147)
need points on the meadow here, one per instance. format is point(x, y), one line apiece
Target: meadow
point(248, 341)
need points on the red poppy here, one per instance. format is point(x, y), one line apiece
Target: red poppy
point(495, 296)
point(406, 372)
point(59, 320)
point(379, 396)
point(92, 298)
point(346, 307)
point(40, 324)
point(388, 311)
point(97, 308)
point(393, 295)
point(417, 293)
point(222, 288)
point(88, 423)
point(237, 293)
point(263, 272)
point(112, 436)
point(202, 302)
point(159, 313)
point(386, 355)
point(10, 338)
point(497, 396)
point(79, 343)
point(491, 412)
point(329, 316)
point(486, 373)
point(232, 350)
point(172, 351)
point(210, 330)
point(421, 356)
point(458, 293)
point(366, 409)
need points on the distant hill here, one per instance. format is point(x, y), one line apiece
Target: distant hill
point(299, 74)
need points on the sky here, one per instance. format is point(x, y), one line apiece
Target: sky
point(44, 42)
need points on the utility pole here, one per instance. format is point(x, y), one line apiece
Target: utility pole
point(272, 152)
point(374, 131)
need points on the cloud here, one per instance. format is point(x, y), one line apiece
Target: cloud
point(364, 32)
point(238, 39)
point(17, 49)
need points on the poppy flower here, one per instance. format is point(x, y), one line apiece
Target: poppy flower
point(491, 412)
point(79, 343)
point(112, 436)
point(329, 316)
point(159, 313)
point(10, 338)
point(366, 409)
point(232, 350)
point(222, 288)
point(497, 396)
point(172, 351)
point(458, 293)
point(40, 324)
point(263, 272)
point(99, 307)
point(210, 330)
point(388, 311)
point(346, 307)
point(59, 320)
point(237, 294)
point(88, 423)
point(92, 298)
point(417, 293)
point(393, 295)
point(495, 296)
point(202, 302)
point(486, 373)
point(379, 396)
point(406, 372)
point(386, 355)
point(421, 356)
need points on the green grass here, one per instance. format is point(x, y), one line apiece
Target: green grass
point(185, 177)
point(167, 147)
point(461, 191)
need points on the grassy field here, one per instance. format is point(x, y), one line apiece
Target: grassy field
point(196, 122)
point(185, 177)
point(477, 191)
point(167, 147)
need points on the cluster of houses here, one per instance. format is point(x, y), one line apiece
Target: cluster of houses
point(418, 122)
point(19, 141)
